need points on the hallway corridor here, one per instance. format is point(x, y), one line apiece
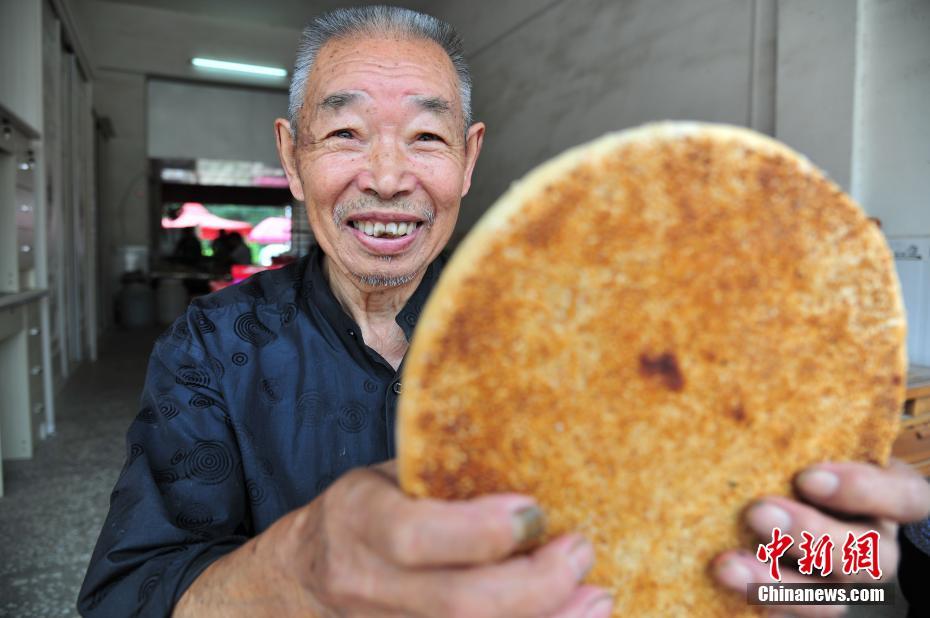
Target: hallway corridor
point(55, 503)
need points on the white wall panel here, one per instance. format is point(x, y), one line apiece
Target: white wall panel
point(197, 121)
point(891, 159)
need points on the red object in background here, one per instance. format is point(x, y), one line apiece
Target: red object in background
point(196, 215)
point(272, 230)
point(244, 271)
point(271, 181)
point(241, 272)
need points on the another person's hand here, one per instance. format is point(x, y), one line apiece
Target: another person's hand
point(867, 497)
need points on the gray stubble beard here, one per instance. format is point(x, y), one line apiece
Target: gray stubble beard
point(380, 281)
point(342, 212)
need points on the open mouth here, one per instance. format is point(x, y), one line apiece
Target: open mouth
point(387, 230)
point(385, 233)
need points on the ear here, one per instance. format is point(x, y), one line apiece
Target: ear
point(473, 141)
point(285, 143)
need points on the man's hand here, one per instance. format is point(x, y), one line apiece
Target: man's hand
point(866, 496)
point(386, 554)
point(364, 548)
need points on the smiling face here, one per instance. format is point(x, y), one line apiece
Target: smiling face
point(381, 158)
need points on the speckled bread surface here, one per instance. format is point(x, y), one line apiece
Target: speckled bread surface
point(646, 333)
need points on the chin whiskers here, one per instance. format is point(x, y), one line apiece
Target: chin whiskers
point(381, 281)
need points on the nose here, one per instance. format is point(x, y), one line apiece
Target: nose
point(387, 175)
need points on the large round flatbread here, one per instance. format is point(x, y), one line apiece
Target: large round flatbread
point(646, 333)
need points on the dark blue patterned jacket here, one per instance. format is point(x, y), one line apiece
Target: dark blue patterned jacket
point(255, 400)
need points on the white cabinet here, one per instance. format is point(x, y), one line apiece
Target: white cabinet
point(22, 357)
point(15, 423)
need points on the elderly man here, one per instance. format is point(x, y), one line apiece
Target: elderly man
point(237, 496)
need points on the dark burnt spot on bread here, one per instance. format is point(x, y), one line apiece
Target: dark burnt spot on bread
point(738, 413)
point(664, 366)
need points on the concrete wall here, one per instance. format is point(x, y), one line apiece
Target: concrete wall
point(481, 23)
point(891, 158)
point(576, 69)
point(815, 76)
point(820, 76)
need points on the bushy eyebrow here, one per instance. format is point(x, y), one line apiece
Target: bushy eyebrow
point(436, 105)
point(337, 101)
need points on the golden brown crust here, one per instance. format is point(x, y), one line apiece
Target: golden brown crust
point(647, 333)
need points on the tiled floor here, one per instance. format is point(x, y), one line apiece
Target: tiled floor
point(55, 503)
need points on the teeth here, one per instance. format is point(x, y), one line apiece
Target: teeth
point(378, 229)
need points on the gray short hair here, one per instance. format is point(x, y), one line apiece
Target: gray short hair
point(374, 20)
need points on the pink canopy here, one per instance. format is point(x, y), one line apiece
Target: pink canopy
point(272, 230)
point(196, 215)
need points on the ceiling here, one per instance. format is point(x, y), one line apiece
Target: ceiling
point(282, 13)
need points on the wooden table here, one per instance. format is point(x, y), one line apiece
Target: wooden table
point(913, 442)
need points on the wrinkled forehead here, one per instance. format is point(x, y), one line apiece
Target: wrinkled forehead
point(412, 71)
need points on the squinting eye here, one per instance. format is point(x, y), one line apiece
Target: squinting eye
point(342, 133)
point(428, 137)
